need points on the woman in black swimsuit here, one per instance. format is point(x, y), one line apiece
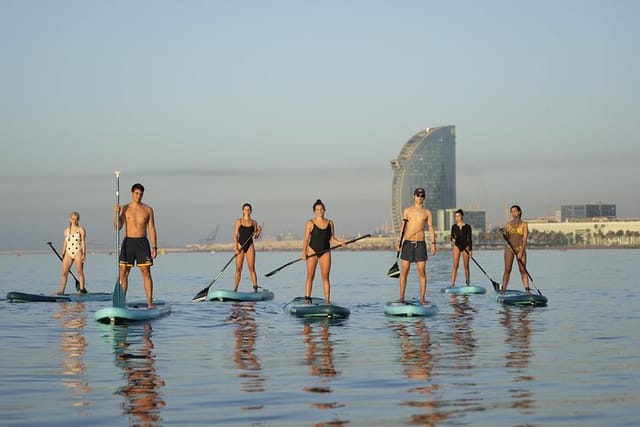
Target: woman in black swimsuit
point(462, 245)
point(246, 229)
point(318, 236)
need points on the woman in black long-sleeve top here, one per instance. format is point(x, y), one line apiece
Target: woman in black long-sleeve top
point(462, 244)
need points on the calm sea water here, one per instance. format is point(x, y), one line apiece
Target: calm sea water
point(478, 363)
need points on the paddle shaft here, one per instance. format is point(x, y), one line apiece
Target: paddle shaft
point(56, 252)
point(118, 222)
point(119, 296)
point(496, 285)
point(271, 273)
point(404, 227)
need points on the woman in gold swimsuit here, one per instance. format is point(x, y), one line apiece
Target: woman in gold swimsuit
point(516, 232)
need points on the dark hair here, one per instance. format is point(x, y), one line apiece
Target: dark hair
point(137, 186)
point(249, 205)
point(518, 208)
point(318, 202)
point(459, 211)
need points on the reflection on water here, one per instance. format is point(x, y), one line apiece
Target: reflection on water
point(518, 355)
point(462, 330)
point(133, 350)
point(419, 365)
point(244, 357)
point(71, 318)
point(319, 358)
point(462, 364)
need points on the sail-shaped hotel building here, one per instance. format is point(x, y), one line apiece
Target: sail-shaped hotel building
point(427, 160)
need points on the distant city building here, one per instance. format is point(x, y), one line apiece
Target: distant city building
point(587, 211)
point(476, 219)
point(427, 160)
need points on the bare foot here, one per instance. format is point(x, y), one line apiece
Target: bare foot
point(422, 302)
point(60, 292)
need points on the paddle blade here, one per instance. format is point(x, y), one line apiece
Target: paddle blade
point(394, 271)
point(496, 285)
point(202, 295)
point(77, 285)
point(119, 298)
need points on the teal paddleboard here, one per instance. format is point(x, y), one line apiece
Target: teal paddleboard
point(521, 298)
point(226, 295)
point(463, 290)
point(410, 309)
point(317, 307)
point(132, 312)
point(25, 297)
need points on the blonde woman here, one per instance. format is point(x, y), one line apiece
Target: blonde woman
point(74, 248)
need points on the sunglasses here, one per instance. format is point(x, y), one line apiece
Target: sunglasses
point(420, 195)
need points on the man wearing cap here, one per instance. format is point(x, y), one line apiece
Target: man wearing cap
point(413, 247)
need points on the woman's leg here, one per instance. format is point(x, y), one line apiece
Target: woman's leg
point(251, 264)
point(508, 263)
point(239, 261)
point(522, 266)
point(465, 265)
point(325, 269)
point(80, 269)
point(66, 266)
point(456, 263)
point(312, 262)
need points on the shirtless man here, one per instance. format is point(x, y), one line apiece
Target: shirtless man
point(414, 248)
point(138, 219)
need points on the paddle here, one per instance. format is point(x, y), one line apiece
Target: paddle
point(119, 298)
point(496, 285)
point(202, 295)
point(271, 273)
point(394, 271)
point(519, 260)
point(74, 276)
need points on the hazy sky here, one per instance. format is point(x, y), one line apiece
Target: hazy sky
point(211, 104)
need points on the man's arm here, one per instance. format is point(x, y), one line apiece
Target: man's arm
point(432, 234)
point(153, 235)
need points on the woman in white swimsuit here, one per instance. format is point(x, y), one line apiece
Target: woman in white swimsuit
point(73, 249)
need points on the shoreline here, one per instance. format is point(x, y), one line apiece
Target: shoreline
point(369, 244)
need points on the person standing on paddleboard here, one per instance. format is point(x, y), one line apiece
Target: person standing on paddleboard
point(461, 238)
point(246, 229)
point(139, 223)
point(515, 233)
point(414, 247)
point(74, 248)
point(318, 236)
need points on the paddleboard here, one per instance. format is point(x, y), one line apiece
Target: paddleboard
point(317, 308)
point(410, 309)
point(226, 295)
point(132, 312)
point(14, 296)
point(463, 290)
point(522, 298)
